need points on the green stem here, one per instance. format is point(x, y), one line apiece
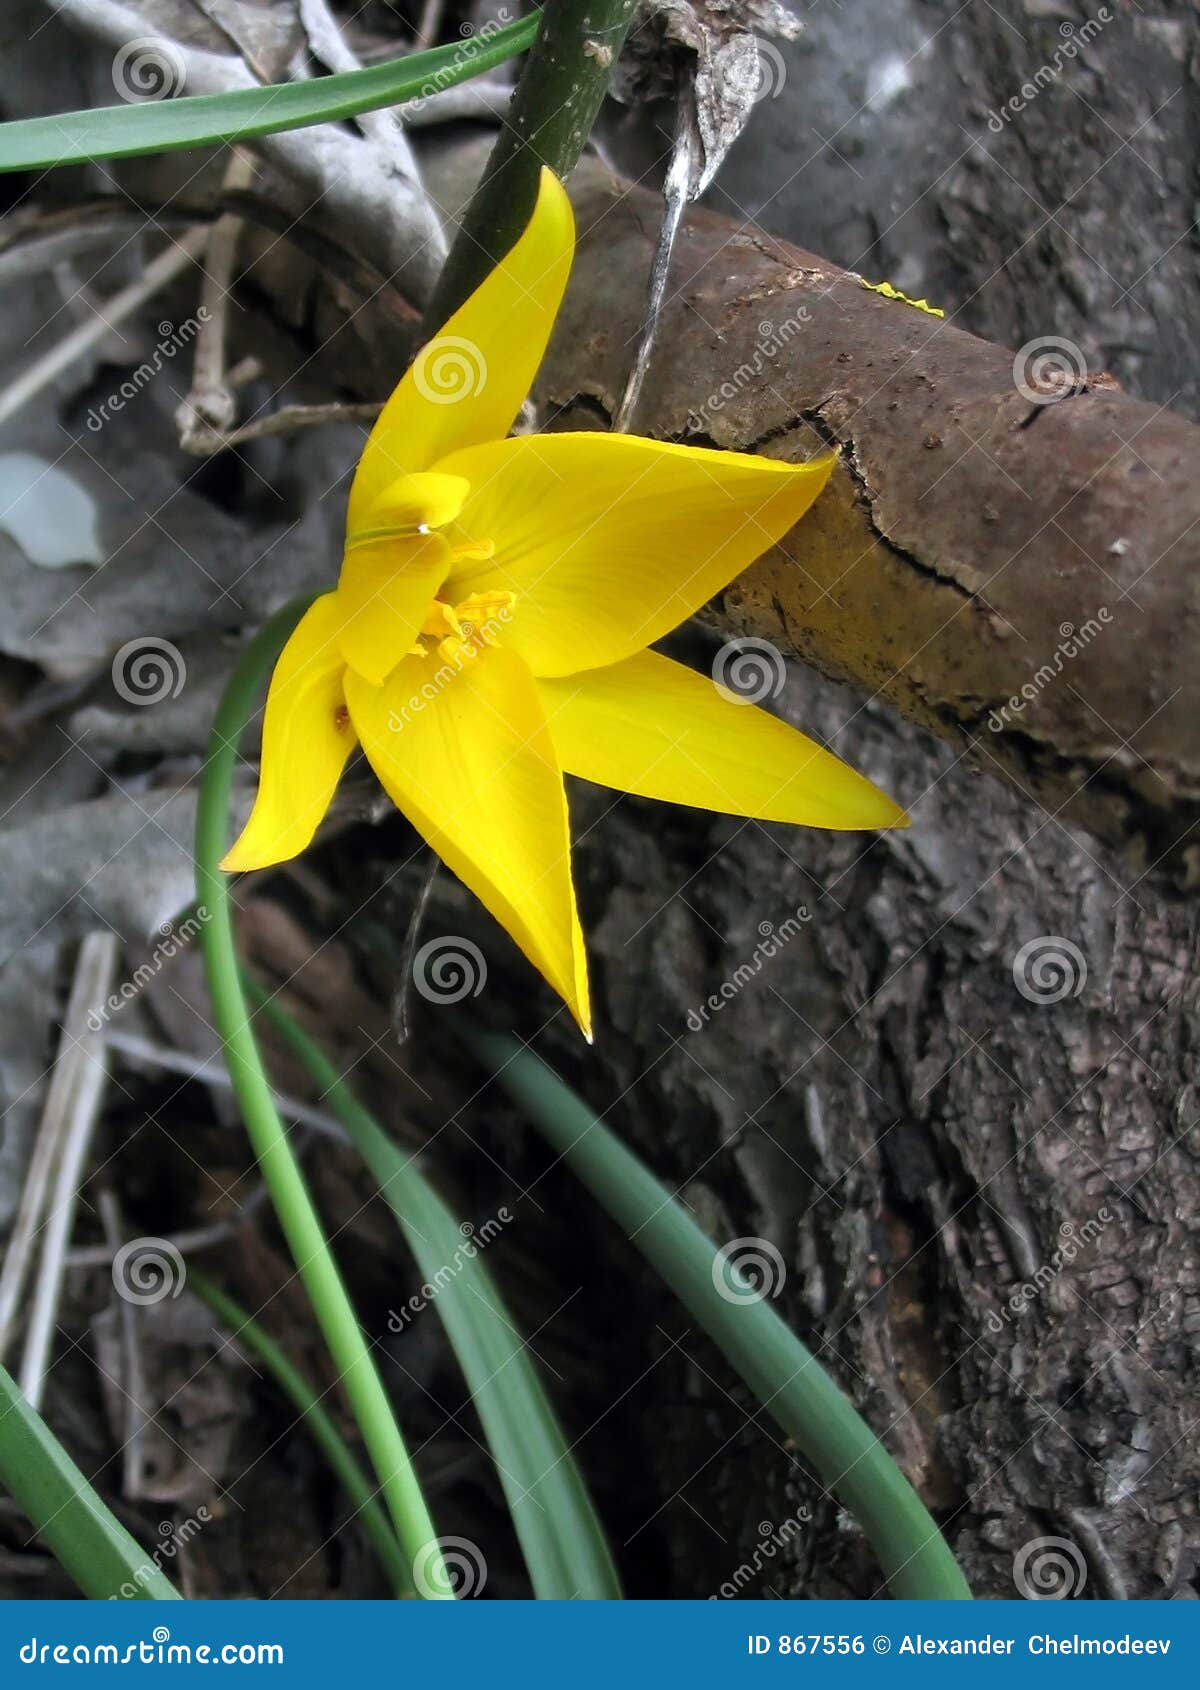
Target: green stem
point(293, 1205)
point(553, 108)
point(784, 1376)
point(357, 1486)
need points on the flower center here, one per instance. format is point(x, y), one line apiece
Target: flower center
point(465, 629)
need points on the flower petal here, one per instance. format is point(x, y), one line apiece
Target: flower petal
point(306, 740)
point(468, 383)
point(610, 541)
point(384, 591)
point(463, 749)
point(650, 726)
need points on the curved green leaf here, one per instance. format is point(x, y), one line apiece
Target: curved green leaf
point(74, 1522)
point(560, 1536)
point(785, 1377)
point(199, 120)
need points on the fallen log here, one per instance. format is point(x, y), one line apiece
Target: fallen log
point(1007, 553)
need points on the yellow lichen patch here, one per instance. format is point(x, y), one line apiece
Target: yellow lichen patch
point(889, 292)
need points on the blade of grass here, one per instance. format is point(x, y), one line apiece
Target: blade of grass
point(293, 1205)
point(354, 1481)
point(560, 1536)
point(79, 1529)
point(197, 120)
point(784, 1376)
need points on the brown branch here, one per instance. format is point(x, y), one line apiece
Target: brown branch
point(974, 542)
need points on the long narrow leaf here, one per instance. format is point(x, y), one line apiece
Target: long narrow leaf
point(560, 1536)
point(74, 1522)
point(785, 1377)
point(321, 1426)
point(39, 143)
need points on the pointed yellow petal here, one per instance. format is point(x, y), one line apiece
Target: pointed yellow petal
point(413, 502)
point(384, 593)
point(306, 740)
point(650, 726)
point(468, 383)
point(463, 749)
point(610, 541)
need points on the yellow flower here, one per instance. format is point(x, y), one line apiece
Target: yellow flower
point(489, 628)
